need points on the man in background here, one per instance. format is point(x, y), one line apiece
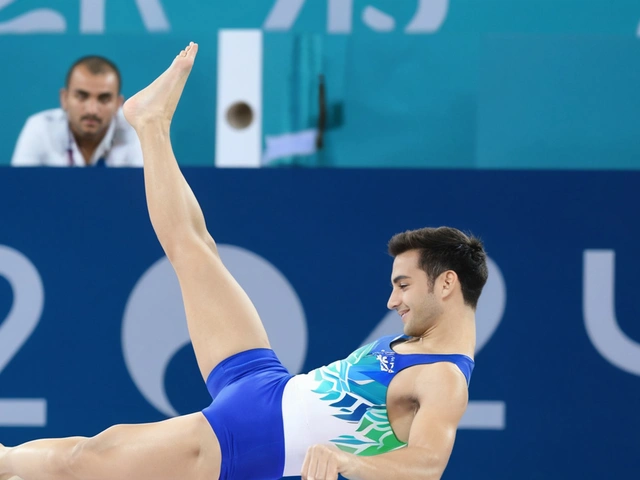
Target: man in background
point(89, 129)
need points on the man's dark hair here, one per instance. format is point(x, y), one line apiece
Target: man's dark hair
point(97, 65)
point(443, 249)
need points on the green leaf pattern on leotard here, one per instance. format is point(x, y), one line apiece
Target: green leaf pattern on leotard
point(358, 399)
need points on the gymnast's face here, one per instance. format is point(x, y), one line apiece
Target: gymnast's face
point(91, 101)
point(412, 296)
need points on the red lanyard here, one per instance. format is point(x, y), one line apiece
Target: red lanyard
point(102, 161)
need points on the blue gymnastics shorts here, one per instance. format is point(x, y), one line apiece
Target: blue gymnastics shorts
point(246, 414)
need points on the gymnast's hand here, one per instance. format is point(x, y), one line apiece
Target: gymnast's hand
point(325, 462)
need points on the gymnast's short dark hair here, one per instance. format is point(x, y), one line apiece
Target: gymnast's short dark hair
point(447, 248)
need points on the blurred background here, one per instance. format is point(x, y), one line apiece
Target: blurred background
point(343, 122)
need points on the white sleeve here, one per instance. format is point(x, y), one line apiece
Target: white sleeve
point(135, 152)
point(28, 151)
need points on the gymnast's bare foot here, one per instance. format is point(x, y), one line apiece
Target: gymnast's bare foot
point(157, 103)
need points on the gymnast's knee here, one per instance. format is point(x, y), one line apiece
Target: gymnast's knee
point(88, 453)
point(77, 459)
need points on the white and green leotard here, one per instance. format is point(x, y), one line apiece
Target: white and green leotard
point(344, 403)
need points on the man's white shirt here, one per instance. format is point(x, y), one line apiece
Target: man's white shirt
point(46, 140)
